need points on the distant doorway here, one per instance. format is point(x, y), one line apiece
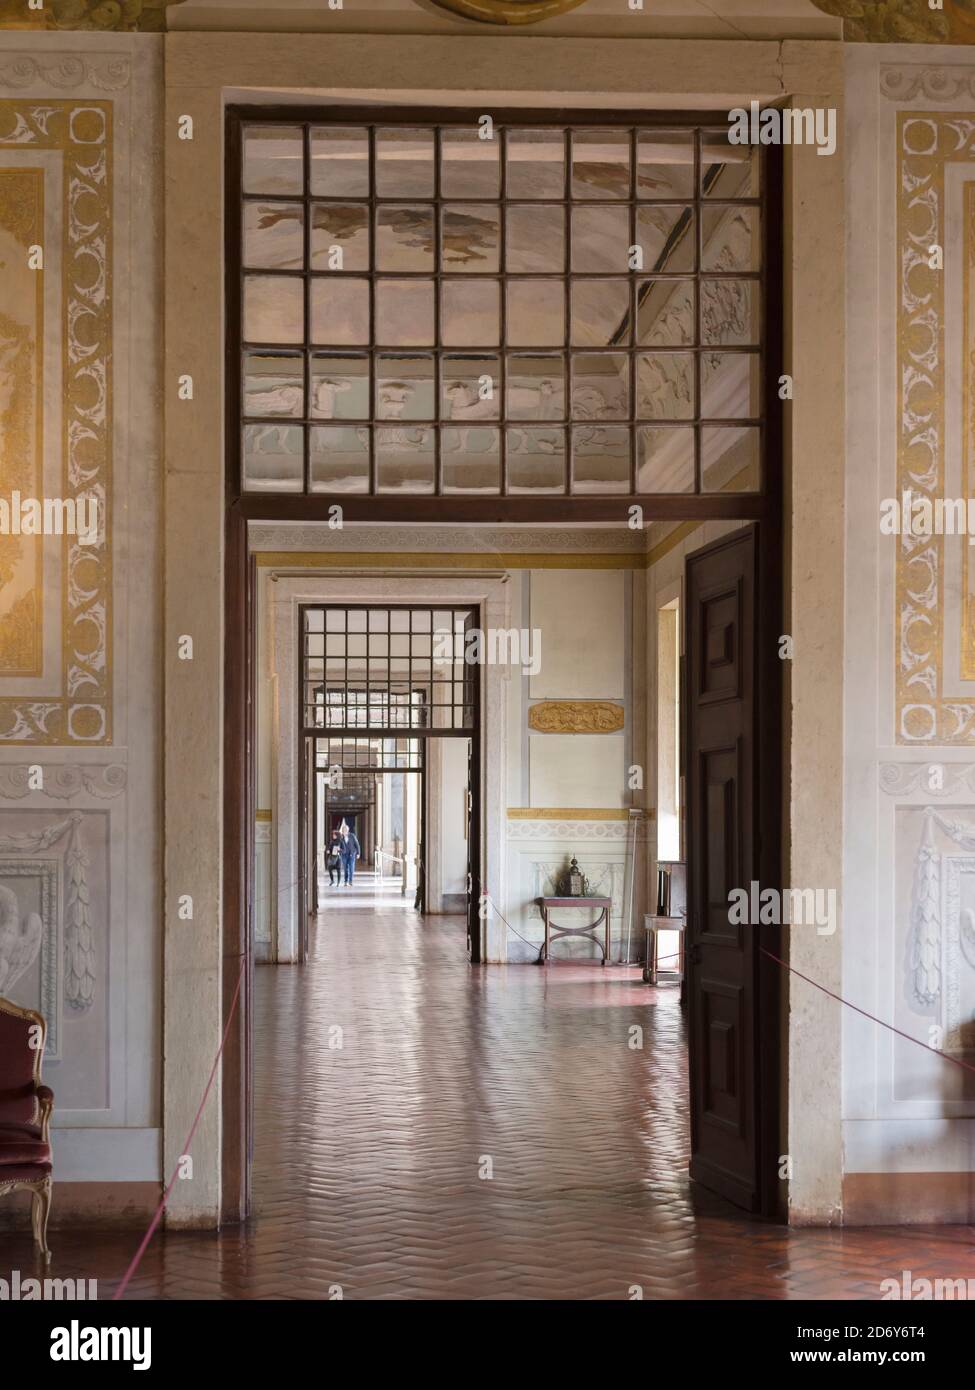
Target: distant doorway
point(383, 690)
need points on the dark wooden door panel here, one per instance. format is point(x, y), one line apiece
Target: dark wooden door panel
point(721, 626)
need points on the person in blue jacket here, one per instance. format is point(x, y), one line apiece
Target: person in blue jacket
point(350, 852)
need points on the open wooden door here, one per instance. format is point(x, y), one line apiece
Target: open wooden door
point(733, 1028)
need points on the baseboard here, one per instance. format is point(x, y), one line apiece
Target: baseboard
point(123, 1205)
point(454, 904)
point(908, 1199)
point(262, 952)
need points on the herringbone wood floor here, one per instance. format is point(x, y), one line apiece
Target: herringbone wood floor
point(371, 1157)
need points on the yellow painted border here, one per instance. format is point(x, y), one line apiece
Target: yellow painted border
point(575, 813)
point(468, 560)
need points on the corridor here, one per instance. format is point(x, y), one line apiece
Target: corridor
point(483, 1133)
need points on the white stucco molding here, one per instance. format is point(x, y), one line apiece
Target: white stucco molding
point(65, 72)
point(931, 81)
point(285, 596)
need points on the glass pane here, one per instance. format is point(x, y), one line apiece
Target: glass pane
point(339, 236)
point(536, 313)
point(471, 459)
point(273, 458)
point(273, 160)
point(471, 313)
point(665, 235)
point(339, 310)
point(471, 388)
point(731, 239)
point(404, 238)
point(273, 385)
point(535, 239)
point(471, 237)
point(340, 387)
point(404, 312)
point(405, 387)
point(600, 459)
point(730, 311)
point(404, 163)
point(665, 386)
point(536, 459)
point(339, 458)
point(665, 312)
point(730, 459)
point(600, 164)
point(600, 386)
point(535, 164)
point(665, 164)
point(536, 386)
point(601, 239)
point(731, 386)
point(273, 236)
point(469, 166)
point(274, 310)
point(600, 313)
point(404, 459)
point(664, 459)
point(727, 170)
point(340, 162)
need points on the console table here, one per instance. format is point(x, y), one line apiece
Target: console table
point(553, 932)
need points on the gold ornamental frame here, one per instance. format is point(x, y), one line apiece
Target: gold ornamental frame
point(508, 11)
point(80, 131)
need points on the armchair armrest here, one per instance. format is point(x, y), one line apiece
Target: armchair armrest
point(45, 1101)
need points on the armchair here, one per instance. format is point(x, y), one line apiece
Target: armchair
point(25, 1114)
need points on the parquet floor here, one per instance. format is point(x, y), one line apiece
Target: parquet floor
point(480, 1134)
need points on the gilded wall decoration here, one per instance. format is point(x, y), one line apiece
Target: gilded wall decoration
point(80, 132)
point(94, 16)
point(927, 144)
point(21, 415)
point(903, 21)
point(575, 717)
point(508, 11)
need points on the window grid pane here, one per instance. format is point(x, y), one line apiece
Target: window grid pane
point(484, 329)
point(387, 670)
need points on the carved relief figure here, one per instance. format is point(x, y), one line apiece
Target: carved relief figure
point(19, 944)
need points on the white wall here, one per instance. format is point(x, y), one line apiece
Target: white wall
point(908, 877)
point(453, 843)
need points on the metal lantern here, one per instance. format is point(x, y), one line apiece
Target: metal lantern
point(575, 884)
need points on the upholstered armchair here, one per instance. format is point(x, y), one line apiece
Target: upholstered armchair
point(25, 1114)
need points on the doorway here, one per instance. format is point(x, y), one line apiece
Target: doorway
point(382, 687)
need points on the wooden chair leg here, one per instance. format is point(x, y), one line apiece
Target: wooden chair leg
point(39, 1212)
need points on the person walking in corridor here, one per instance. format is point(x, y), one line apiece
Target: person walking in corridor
point(350, 852)
point(333, 859)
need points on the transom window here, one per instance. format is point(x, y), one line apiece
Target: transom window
point(549, 310)
point(387, 669)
